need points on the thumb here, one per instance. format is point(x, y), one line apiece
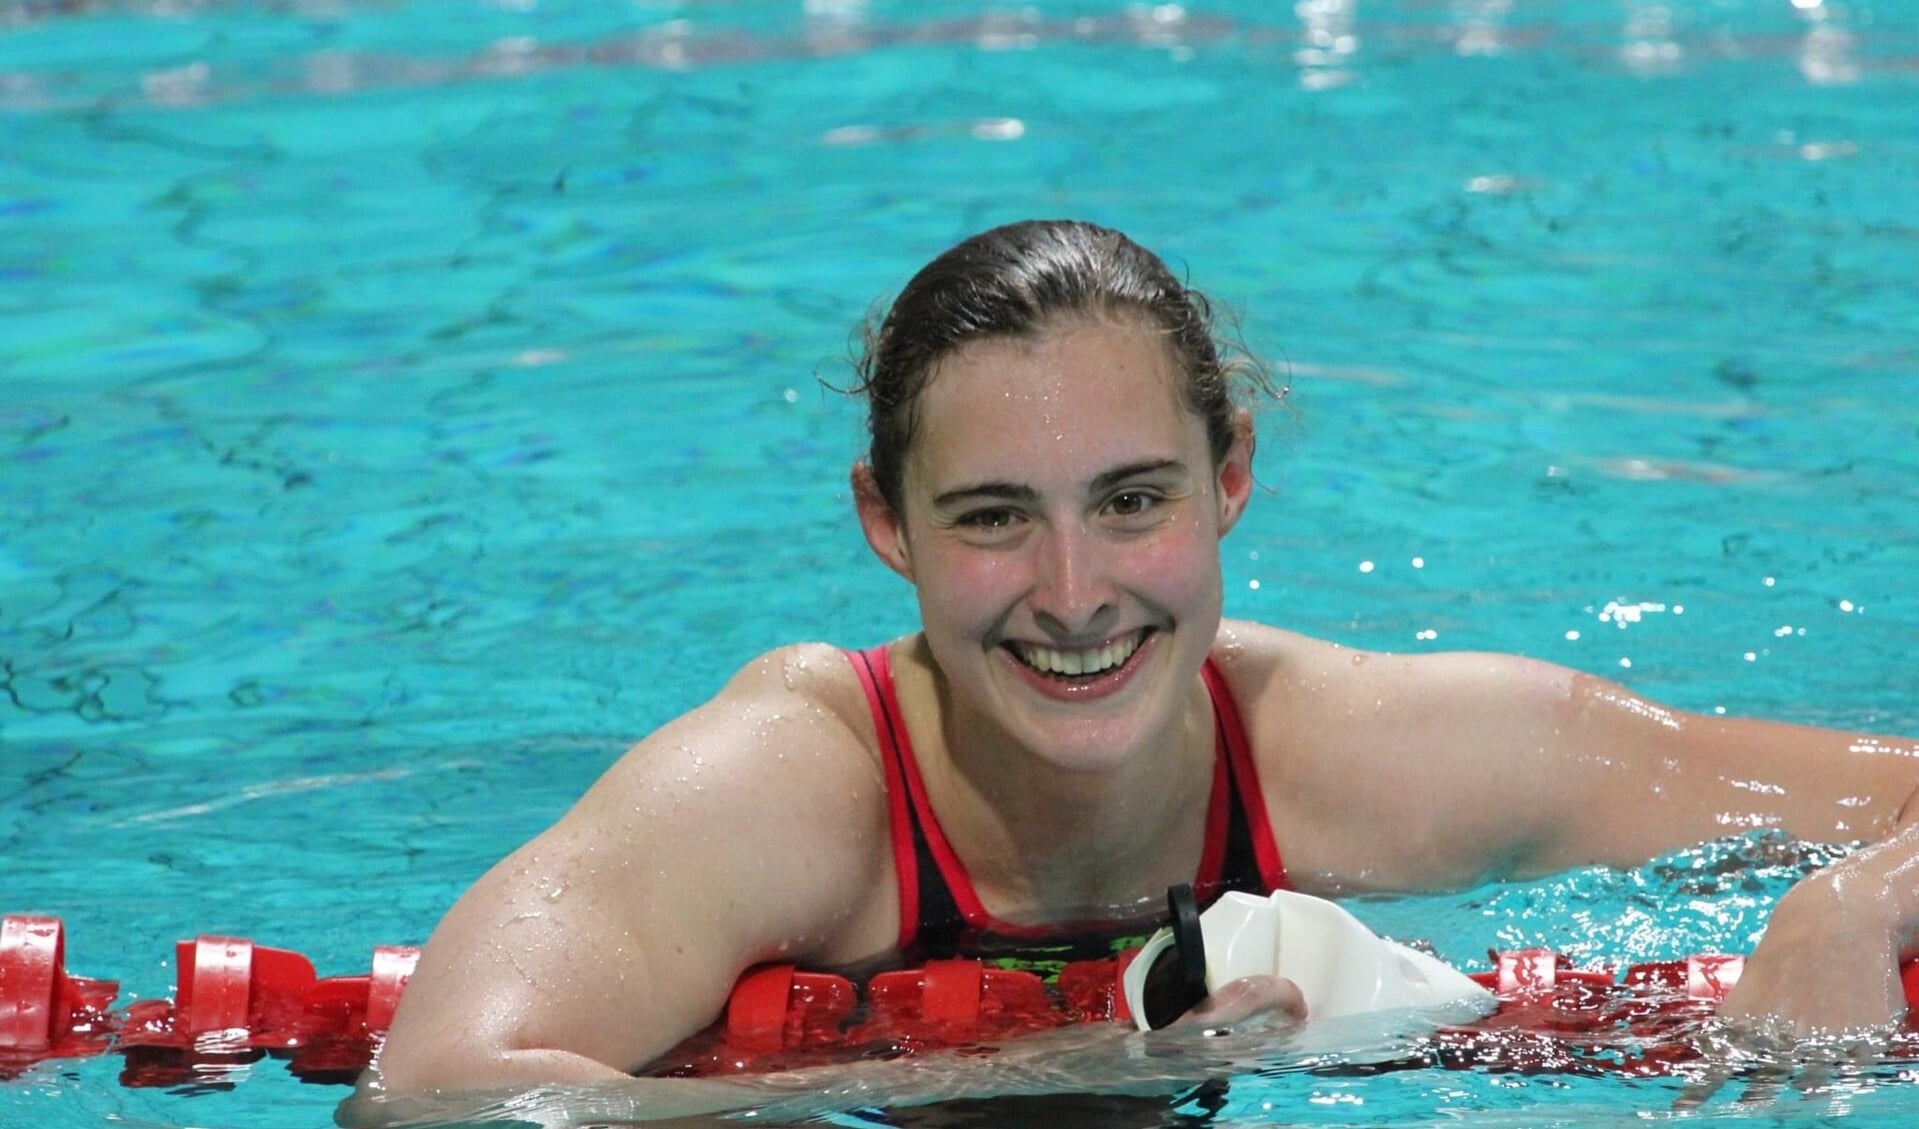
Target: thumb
point(1246, 997)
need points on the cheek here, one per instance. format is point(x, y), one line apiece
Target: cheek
point(966, 585)
point(1179, 565)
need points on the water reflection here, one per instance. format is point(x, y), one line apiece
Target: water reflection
point(836, 27)
point(1654, 38)
point(826, 29)
point(1329, 42)
point(177, 86)
point(1825, 55)
point(1482, 26)
point(1650, 47)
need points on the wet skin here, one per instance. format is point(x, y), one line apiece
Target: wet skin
point(1059, 496)
point(1062, 511)
point(1060, 500)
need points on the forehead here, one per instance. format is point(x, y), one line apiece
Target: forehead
point(1083, 396)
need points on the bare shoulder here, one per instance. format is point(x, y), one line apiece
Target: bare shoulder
point(1348, 698)
point(1265, 660)
point(1379, 768)
point(791, 711)
point(816, 673)
point(1255, 657)
point(772, 790)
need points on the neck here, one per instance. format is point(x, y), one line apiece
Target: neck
point(1040, 840)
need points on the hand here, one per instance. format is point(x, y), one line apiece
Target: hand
point(1761, 1064)
point(1822, 990)
point(1829, 960)
point(1246, 998)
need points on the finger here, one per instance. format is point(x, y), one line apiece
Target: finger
point(1767, 1085)
point(1701, 1089)
point(1812, 1078)
point(1245, 998)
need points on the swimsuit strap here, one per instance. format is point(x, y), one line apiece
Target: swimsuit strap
point(941, 913)
point(911, 856)
point(938, 905)
point(1253, 852)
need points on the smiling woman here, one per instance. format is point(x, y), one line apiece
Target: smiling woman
point(1056, 456)
point(1105, 548)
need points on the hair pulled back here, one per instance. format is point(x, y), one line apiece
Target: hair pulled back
point(1017, 281)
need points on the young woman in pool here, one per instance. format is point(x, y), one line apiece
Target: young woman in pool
point(1056, 455)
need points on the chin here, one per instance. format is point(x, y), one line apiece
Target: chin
point(1090, 755)
point(1096, 734)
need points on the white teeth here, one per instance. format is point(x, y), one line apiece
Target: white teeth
point(1091, 660)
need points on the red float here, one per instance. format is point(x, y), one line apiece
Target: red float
point(236, 1002)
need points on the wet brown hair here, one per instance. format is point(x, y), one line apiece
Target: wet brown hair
point(1017, 281)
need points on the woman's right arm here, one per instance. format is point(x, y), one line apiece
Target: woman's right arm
point(752, 829)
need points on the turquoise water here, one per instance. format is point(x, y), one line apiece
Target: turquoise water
point(405, 406)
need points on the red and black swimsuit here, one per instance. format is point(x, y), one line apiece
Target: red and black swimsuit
point(940, 913)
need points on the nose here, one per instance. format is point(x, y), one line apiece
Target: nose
point(1073, 597)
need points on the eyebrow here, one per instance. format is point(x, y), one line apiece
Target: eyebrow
point(982, 491)
point(1143, 469)
point(1014, 492)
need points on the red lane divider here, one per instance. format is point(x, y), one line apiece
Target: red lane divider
point(44, 1013)
point(233, 1003)
point(1550, 1015)
point(1554, 1018)
point(236, 1002)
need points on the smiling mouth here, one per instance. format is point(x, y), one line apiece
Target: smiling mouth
point(1079, 664)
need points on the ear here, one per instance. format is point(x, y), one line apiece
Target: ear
point(1235, 476)
point(885, 530)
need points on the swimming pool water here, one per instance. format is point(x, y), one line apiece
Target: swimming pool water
point(404, 406)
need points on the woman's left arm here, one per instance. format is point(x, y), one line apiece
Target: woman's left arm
point(1830, 956)
point(1656, 778)
point(1402, 772)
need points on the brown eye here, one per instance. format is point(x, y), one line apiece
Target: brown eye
point(1132, 503)
point(996, 518)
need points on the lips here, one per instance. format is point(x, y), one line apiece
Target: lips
point(1073, 664)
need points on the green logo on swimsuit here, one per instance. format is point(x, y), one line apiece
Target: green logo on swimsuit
point(1047, 960)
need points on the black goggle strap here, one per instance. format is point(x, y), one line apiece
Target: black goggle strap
point(1176, 982)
